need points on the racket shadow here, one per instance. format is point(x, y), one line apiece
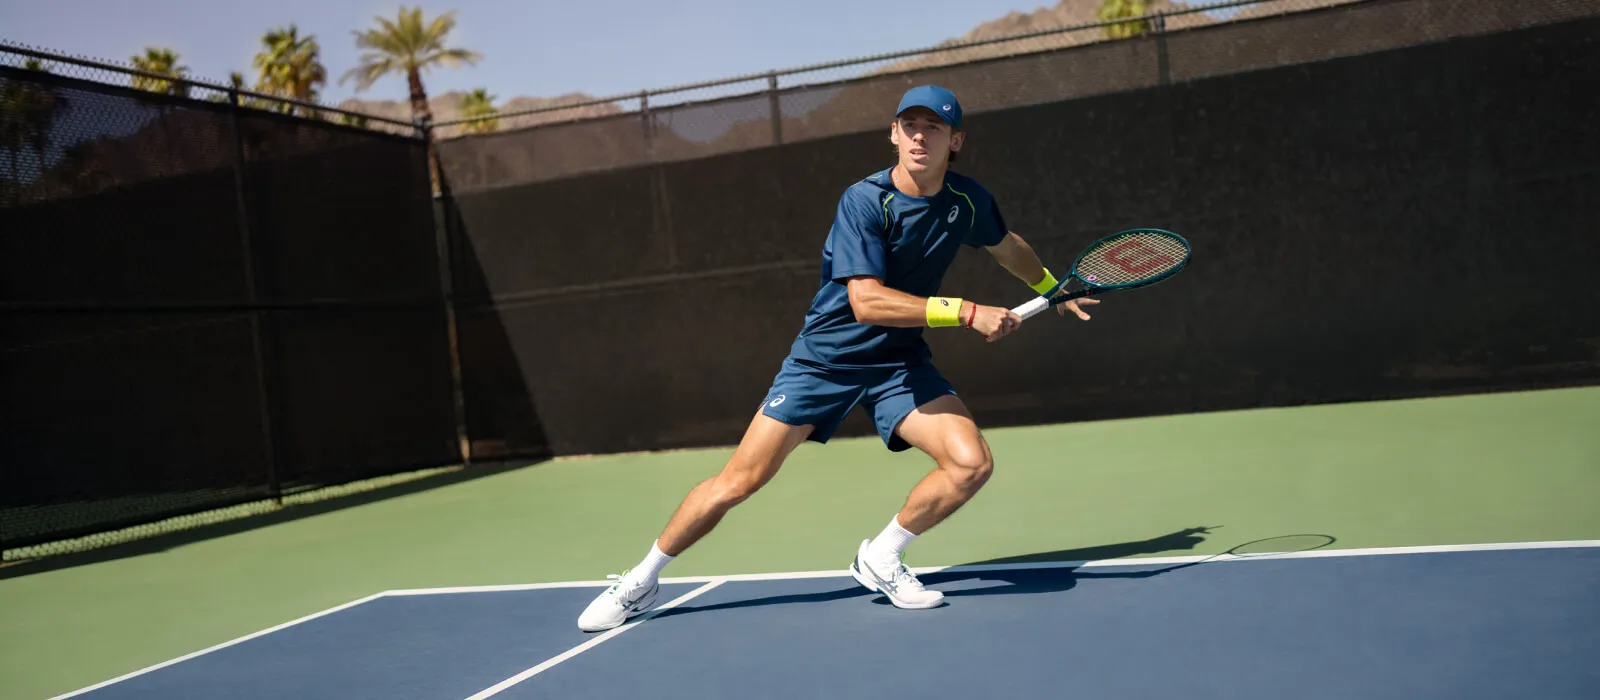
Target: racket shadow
point(1055, 579)
point(1048, 572)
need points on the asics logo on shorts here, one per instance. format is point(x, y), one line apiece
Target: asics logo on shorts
point(775, 402)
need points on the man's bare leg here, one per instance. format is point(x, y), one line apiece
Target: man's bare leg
point(944, 430)
point(762, 450)
point(767, 442)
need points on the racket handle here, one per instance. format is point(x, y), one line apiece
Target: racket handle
point(1037, 304)
point(1034, 306)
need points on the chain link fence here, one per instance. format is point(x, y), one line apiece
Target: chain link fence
point(66, 134)
point(1177, 44)
point(812, 102)
point(208, 297)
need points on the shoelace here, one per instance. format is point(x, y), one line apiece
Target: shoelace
point(616, 588)
point(901, 574)
point(904, 577)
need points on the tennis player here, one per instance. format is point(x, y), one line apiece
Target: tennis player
point(893, 238)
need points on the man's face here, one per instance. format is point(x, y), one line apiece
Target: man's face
point(923, 139)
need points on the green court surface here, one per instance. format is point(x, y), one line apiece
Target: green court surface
point(1473, 469)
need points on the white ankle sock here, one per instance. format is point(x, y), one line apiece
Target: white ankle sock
point(650, 569)
point(890, 543)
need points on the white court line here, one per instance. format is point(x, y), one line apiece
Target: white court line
point(1132, 561)
point(1149, 561)
point(541, 668)
point(223, 645)
point(498, 588)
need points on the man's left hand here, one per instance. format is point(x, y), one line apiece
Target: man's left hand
point(1061, 309)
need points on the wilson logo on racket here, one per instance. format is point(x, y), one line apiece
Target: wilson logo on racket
point(1136, 257)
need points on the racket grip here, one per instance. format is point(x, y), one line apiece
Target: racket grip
point(1032, 307)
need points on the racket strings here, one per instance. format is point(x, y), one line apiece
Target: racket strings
point(1131, 259)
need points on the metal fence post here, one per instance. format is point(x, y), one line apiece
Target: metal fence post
point(659, 224)
point(777, 111)
point(260, 322)
point(1162, 65)
point(647, 123)
point(1168, 106)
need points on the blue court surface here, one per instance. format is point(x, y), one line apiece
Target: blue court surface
point(1489, 621)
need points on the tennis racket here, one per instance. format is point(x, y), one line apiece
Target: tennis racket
point(1127, 259)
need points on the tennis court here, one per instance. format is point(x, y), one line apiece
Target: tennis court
point(1478, 623)
point(1437, 548)
point(269, 376)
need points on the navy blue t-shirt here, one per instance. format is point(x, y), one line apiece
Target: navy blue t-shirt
point(909, 243)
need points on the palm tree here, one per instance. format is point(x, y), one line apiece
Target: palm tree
point(28, 110)
point(478, 106)
point(41, 113)
point(405, 45)
point(1124, 9)
point(161, 61)
point(290, 66)
point(13, 136)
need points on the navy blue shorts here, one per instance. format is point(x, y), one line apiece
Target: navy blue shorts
point(806, 394)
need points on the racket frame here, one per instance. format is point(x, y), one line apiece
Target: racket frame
point(1052, 296)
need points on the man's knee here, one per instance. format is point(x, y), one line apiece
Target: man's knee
point(735, 486)
point(969, 465)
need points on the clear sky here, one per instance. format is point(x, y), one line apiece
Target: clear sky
point(533, 48)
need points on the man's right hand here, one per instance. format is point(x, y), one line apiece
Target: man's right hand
point(994, 322)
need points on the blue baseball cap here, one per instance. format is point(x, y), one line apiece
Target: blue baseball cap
point(941, 101)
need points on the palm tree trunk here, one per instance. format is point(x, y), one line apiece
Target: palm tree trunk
point(419, 108)
point(302, 92)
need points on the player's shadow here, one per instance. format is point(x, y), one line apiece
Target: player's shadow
point(1048, 577)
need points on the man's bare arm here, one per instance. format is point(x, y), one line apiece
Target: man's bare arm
point(1018, 258)
point(877, 304)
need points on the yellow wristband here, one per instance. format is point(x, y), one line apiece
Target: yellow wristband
point(944, 311)
point(1045, 284)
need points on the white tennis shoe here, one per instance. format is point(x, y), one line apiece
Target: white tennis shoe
point(624, 599)
point(893, 579)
